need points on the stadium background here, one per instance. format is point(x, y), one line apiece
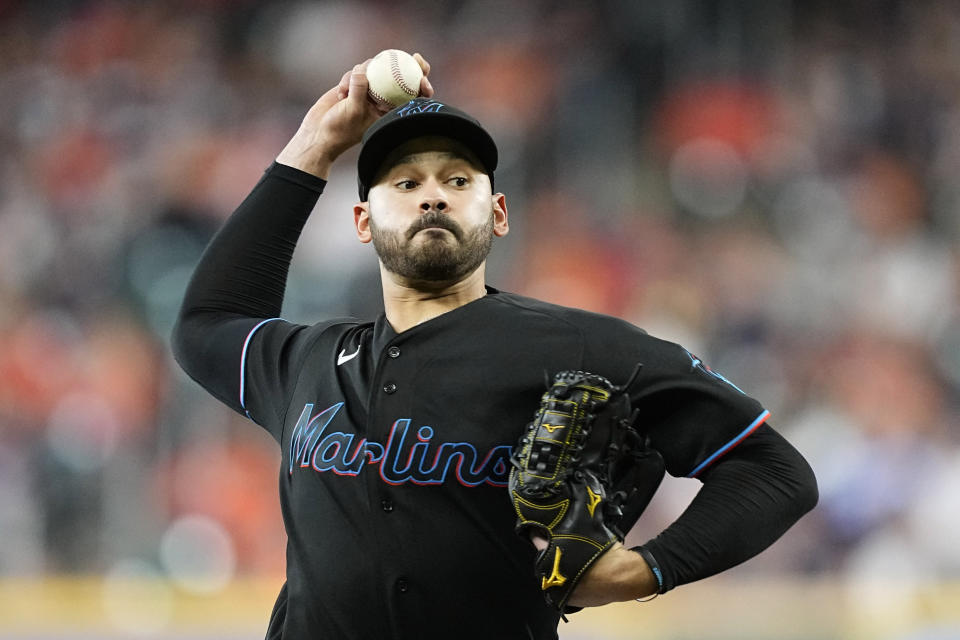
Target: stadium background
point(771, 183)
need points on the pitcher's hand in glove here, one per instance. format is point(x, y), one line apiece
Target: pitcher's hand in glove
point(578, 466)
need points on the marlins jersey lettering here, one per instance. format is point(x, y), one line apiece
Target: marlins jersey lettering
point(396, 450)
point(404, 458)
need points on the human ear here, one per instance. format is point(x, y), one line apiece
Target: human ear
point(361, 220)
point(500, 225)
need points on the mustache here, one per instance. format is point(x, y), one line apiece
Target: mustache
point(433, 219)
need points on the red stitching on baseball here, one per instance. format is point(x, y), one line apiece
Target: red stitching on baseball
point(380, 99)
point(398, 77)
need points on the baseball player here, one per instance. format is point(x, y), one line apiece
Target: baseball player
point(397, 432)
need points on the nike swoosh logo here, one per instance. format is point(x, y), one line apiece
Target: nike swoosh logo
point(346, 358)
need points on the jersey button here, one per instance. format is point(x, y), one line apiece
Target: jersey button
point(387, 504)
point(389, 387)
point(393, 352)
point(403, 585)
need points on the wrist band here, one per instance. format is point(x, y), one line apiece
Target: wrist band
point(654, 568)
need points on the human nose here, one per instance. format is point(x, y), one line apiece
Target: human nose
point(434, 203)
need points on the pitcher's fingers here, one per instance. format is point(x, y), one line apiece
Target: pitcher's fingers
point(358, 84)
point(539, 542)
point(343, 86)
point(424, 65)
point(426, 88)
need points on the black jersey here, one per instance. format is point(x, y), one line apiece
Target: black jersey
point(396, 453)
point(395, 447)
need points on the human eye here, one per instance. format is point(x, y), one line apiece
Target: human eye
point(459, 181)
point(406, 185)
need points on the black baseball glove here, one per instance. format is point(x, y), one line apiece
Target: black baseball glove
point(582, 475)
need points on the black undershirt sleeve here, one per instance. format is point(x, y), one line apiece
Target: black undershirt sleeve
point(749, 498)
point(241, 279)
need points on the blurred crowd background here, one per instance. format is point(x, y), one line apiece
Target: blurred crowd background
point(772, 183)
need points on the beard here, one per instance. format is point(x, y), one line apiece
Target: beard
point(435, 259)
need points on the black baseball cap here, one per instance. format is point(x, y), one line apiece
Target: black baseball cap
point(421, 117)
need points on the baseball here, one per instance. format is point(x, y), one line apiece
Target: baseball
point(394, 78)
